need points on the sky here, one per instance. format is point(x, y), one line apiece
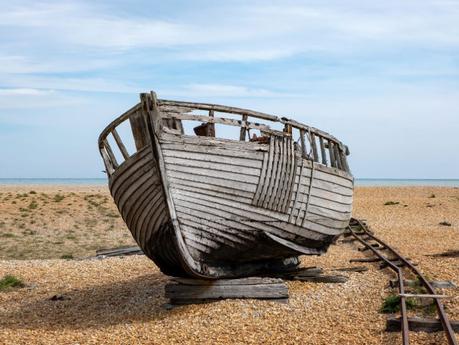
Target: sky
point(382, 76)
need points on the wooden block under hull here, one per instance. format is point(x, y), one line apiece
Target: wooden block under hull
point(190, 291)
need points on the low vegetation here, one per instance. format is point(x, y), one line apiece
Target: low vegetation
point(389, 203)
point(47, 224)
point(9, 282)
point(391, 304)
point(58, 198)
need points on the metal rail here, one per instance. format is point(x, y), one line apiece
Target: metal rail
point(359, 229)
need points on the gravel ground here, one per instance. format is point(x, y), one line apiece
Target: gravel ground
point(120, 300)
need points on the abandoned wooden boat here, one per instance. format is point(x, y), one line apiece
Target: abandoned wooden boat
point(202, 205)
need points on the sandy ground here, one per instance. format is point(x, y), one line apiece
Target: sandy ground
point(44, 222)
point(120, 300)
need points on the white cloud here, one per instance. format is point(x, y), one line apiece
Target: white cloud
point(222, 90)
point(253, 28)
point(24, 92)
point(29, 98)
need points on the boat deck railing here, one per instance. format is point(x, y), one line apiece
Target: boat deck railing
point(315, 145)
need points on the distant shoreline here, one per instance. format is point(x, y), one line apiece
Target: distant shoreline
point(359, 182)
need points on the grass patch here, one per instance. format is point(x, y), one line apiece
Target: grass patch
point(112, 215)
point(390, 203)
point(32, 192)
point(7, 235)
point(9, 281)
point(391, 304)
point(67, 256)
point(58, 198)
point(33, 205)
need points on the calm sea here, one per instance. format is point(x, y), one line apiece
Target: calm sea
point(358, 181)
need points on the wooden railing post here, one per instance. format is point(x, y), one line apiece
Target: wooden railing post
point(120, 144)
point(139, 130)
point(322, 151)
point(243, 134)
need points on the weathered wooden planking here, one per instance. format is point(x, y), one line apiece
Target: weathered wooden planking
point(231, 176)
point(249, 212)
point(216, 181)
point(226, 151)
point(415, 324)
point(323, 279)
point(206, 166)
point(121, 251)
point(276, 178)
point(225, 121)
point(211, 187)
point(257, 222)
point(351, 269)
point(253, 288)
point(209, 157)
point(226, 282)
point(139, 130)
point(216, 107)
point(214, 166)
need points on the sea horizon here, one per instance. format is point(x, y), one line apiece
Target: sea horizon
point(358, 181)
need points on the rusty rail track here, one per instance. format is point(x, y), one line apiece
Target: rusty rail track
point(360, 231)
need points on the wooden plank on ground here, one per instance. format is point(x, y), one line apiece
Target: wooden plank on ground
point(122, 251)
point(436, 284)
point(416, 324)
point(185, 291)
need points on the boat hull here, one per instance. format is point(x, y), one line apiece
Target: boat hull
point(221, 192)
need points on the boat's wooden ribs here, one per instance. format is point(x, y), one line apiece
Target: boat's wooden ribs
point(275, 185)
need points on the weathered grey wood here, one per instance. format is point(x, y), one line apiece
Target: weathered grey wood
point(226, 282)
point(262, 288)
point(205, 157)
point(120, 144)
point(323, 279)
point(304, 154)
point(393, 324)
point(314, 147)
point(331, 151)
point(322, 150)
point(414, 295)
point(117, 121)
point(138, 128)
point(338, 157)
point(437, 284)
point(227, 167)
point(351, 269)
point(298, 272)
point(242, 134)
point(217, 196)
point(226, 121)
point(107, 162)
point(219, 108)
point(110, 153)
point(122, 251)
